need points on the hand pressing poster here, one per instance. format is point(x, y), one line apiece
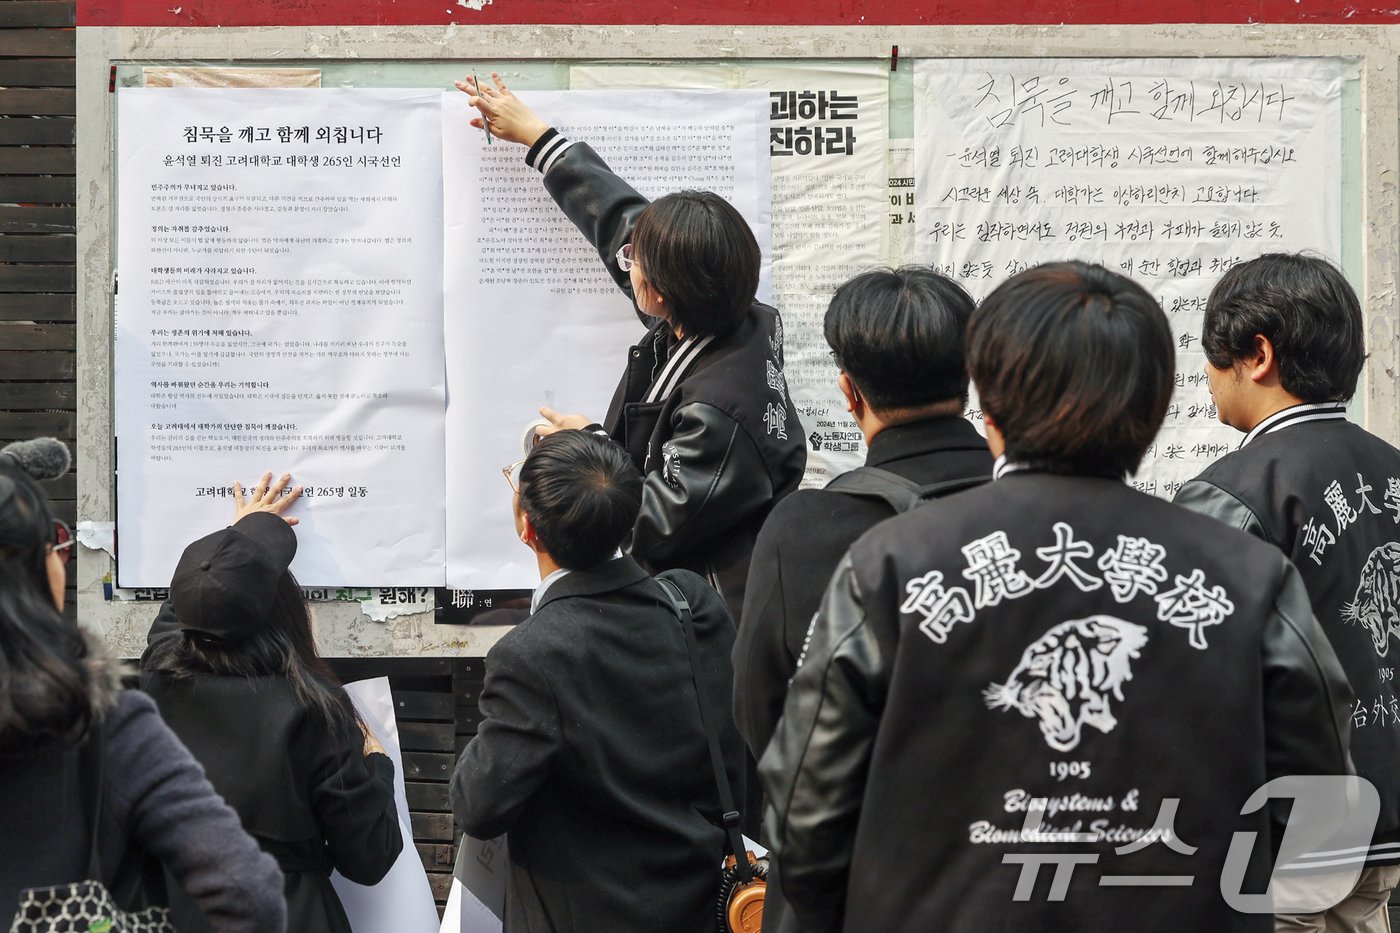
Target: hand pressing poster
point(280, 308)
point(532, 317)
point(827, 125)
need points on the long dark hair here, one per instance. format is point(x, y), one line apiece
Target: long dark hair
point(284, 647)
point(46, 676)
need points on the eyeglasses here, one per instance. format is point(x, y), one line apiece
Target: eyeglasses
point(63, 539)
point(625, 262)
point(512, 474)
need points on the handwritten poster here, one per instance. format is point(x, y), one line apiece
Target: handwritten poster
point(1166, 170)
point(826, 124)
point(280, 308)
point(532, 317)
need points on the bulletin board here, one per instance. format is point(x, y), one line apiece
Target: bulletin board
point(403, 621)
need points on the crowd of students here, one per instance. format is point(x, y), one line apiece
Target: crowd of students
point(966, 661)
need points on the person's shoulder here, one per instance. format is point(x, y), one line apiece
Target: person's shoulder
point(697, 591)
point(1372, 444)
point(795, 514)
point(540, 640)
point(131, 707)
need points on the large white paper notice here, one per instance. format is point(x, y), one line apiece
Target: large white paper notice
point(1168, 170)
point(827, 126)
point(402, 901)
point(532, 317)
point(281, 309)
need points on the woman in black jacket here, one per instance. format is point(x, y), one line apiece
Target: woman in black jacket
point(59, 694)
point(233, 667)
point(703, 406)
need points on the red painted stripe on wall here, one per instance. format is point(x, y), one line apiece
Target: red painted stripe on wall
point(722, 12)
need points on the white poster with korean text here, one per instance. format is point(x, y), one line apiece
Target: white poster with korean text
point(532, 317)
point(827, 125)
point(281, 309)
point(1167, 170)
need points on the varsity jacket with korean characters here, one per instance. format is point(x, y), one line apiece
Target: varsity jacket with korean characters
point(1046, 655)
point(707, 420)
point(1327, 494)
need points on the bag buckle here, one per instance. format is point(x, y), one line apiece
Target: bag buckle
point(731, 819)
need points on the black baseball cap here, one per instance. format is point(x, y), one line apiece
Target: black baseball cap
point(225, 583)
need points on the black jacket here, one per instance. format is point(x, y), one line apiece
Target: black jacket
point(1055, 637)
point(591, 758)
point(722, 443)
point(1281, 486)
point(792, 565)
point(307, 794)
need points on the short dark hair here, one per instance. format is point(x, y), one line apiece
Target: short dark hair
point(1075, 364)
point(581, 493)
point(898, 334)
point(1306, 308)
point(700, 255)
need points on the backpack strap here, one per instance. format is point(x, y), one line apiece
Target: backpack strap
point(899, 493)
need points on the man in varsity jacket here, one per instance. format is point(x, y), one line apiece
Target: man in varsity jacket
point(1284, 347)
point(897, 336)
point(1052, 666)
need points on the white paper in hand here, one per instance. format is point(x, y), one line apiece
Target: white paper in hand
point(402, 902)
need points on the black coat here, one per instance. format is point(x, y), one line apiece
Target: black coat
point(792, 565)
point(305, 792)
point(722, 443)
point(1055, 638)
point(1277, 487)
point(591, 758)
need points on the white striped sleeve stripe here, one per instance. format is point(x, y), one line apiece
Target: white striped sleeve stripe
point(551, 152)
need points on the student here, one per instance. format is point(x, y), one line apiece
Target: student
point(63, 703)
point(233, 667)
point(1283, 337)
point(591, 756)
point(897, 336)
point(1053, 636)
point(702, 407)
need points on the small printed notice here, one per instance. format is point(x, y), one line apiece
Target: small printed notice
point(532, 317)
point(1169, 171)
point(280, 308)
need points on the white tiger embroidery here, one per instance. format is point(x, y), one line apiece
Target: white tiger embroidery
point(1068, 675)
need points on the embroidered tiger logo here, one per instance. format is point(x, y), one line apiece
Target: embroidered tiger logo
point(1067, 676)
point(1377, 602)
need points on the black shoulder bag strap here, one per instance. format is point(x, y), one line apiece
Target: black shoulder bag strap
point(92, 761)
point(726, 798)
point(899, 493)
